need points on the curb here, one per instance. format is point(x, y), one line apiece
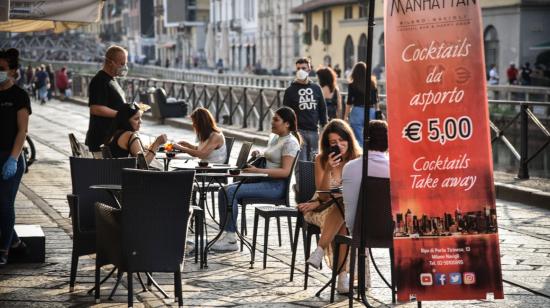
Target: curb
point(524, 195)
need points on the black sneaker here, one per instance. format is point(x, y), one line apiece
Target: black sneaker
point(3, 258)
point(20, 249)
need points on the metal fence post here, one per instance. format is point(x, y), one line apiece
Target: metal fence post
point(245, 101)
point(524, 135)
point(261, 100)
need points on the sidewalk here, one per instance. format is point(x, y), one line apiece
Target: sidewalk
point(524, 236)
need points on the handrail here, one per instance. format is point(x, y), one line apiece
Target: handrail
point(251, 106)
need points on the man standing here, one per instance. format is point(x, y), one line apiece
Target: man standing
point(526, 74)
point(42, 81)
point(493, 75)
point(512, 74)
point(307, 101)
point(105, 97)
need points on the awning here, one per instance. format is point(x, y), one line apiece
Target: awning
point(57, 15)
point(543, 46)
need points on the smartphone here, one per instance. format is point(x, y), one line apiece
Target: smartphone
point(334, 149)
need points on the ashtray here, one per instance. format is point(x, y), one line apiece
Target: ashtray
point(170, 154)
point(235, 171)
point(203, 164)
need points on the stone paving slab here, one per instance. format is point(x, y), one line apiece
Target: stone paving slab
point(228, 281)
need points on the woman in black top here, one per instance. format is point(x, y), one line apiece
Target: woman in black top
point(124, 139)
point(355, 112)
point(331, 93)
point(15, 108)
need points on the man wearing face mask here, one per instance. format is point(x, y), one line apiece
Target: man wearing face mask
point(307, 101)
point(105, 97)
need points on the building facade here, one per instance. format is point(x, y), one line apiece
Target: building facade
point(233, 27)
point(335, 32)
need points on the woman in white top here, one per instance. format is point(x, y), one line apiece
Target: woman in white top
point(279, 155)
point(211, 147)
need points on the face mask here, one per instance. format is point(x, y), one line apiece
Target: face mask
point(3, 76)
point(122, 70)
point(301, 74)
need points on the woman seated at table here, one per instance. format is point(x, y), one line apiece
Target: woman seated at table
point(336, 147)
point(211, 147)
point(124, 139)
point(279, 155)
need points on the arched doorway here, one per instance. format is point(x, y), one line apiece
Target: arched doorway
point(362, 48)
point(348, 53)
point(490, 40)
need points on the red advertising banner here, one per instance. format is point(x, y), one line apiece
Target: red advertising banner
point(443, 199)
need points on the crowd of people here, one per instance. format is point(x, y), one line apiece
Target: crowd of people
point(523, 76)
point(42, 82)
point(313, 124)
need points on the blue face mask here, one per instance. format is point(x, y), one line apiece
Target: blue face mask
point(3, 76)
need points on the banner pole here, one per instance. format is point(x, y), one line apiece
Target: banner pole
point(361, 289)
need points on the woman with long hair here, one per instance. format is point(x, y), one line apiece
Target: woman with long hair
point(337, 146)
point(329, 85)
point(124, 140)
point(357, 100)
point(280, 153)
point(211, 147)
point(15, 108)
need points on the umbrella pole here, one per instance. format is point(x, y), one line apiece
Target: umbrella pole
point(361, 289)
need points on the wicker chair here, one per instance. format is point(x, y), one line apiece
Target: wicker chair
point(84, 173)
point(306, 189)
point(149, 233)
point(276, 202)
point(377, 218)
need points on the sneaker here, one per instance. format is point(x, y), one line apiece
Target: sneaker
point(3, 258)
point(228, 242)
point(316, 258)
point(343, 283)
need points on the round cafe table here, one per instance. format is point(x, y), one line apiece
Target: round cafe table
point(178, 156)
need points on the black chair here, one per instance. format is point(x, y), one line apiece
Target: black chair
point(229, 141)
point(276, 202)
point(176, 109)
point(141, 162)
point(149, 233)
point(84, 173)
point(306, 189)
point(377, 218)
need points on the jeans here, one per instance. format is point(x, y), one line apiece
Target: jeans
point(310, 144)
point(357, 121)
point(264, 189)
point(43, 93)
point(8, 191)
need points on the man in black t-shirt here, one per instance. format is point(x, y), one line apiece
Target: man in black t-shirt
point(105, 97)
point(306, 99)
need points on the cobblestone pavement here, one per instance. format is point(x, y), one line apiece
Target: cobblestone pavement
point(524, 235)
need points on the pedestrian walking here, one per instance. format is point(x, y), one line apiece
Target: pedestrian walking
point(526, 74)
point(42, 83)
point(62, 81)
point(15, 108)
point(329, 84)
point(357, 100)
point(106, 97)
point(51, 78)
point(306, 99)
point(512, 74)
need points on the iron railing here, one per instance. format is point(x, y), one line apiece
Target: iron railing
point(253, 107)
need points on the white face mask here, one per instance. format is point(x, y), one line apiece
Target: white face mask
point(301, 74)
point(3, 76)
point(122, 71)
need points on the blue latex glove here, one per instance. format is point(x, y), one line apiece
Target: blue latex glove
point(10, 168)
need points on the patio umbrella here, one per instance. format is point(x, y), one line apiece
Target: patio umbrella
point(209, 49)
point(56, 15)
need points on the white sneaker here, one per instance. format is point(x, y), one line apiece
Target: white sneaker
point(343, 283)
point(228, 242)
point(316, 258)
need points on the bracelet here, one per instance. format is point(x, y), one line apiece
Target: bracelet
point(149, 150)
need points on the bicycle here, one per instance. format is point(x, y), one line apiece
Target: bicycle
point(29, 153)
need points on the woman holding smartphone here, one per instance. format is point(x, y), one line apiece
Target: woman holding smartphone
point(337, 146)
